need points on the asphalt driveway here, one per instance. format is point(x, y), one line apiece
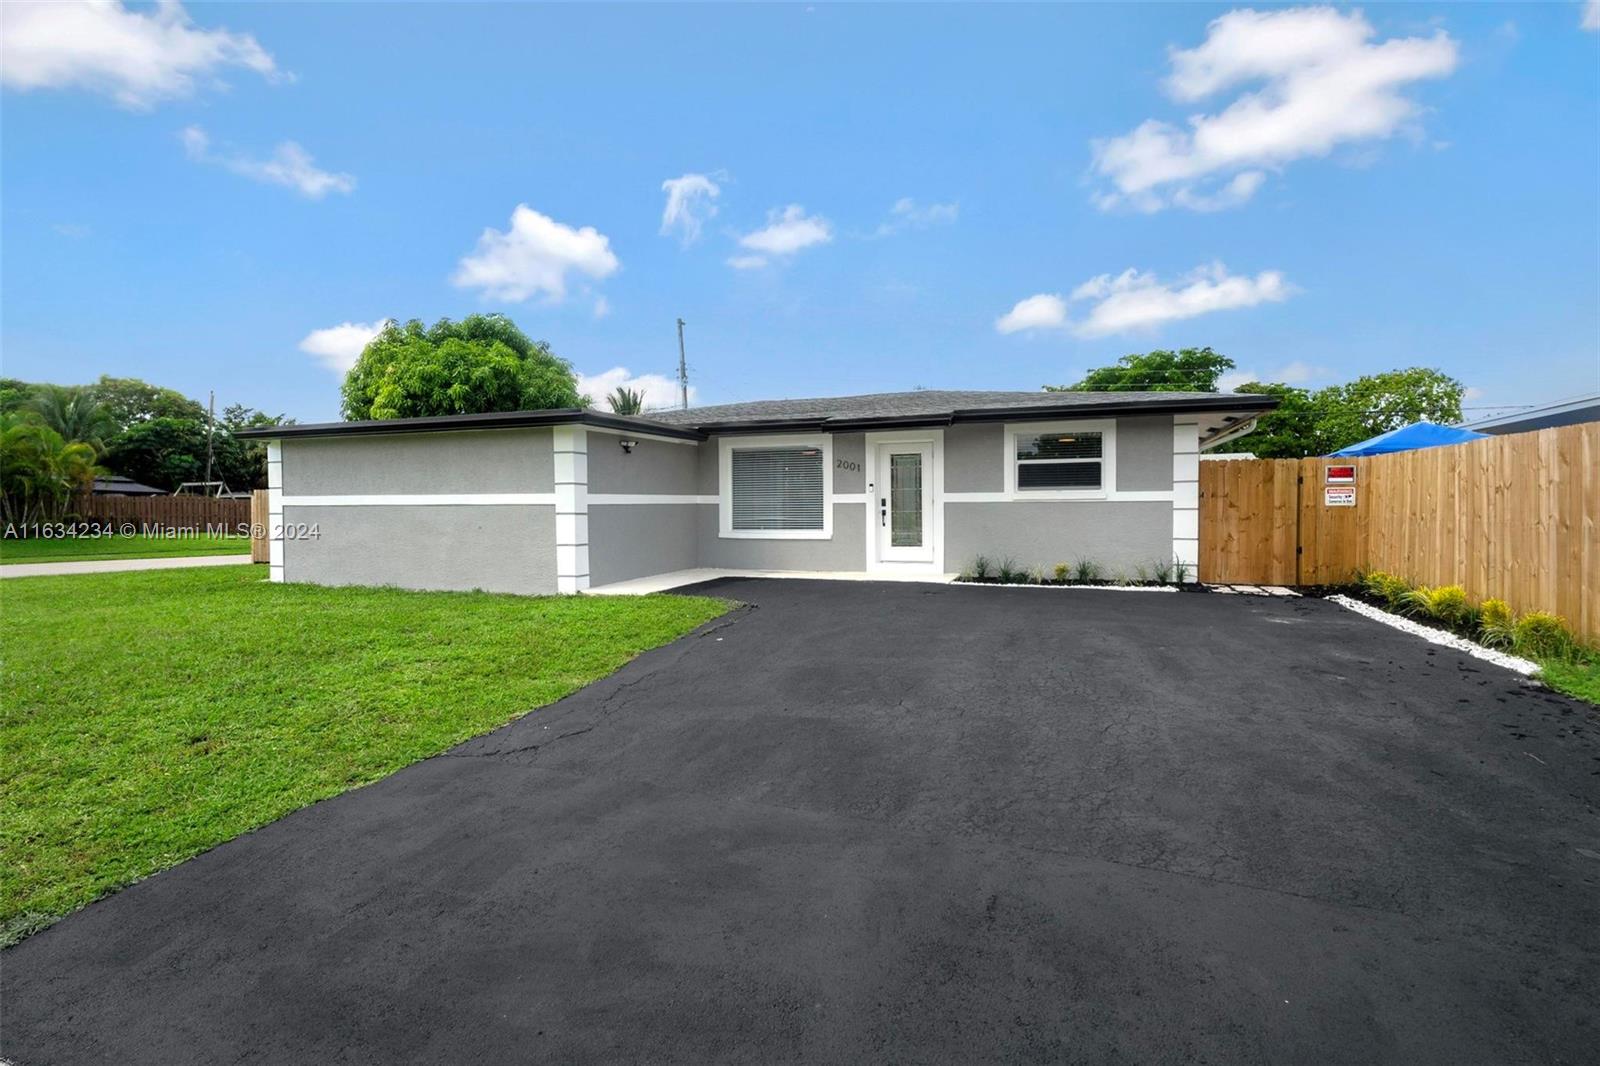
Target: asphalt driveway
point(862, 822)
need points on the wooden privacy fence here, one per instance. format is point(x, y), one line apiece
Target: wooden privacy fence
point(258, 527)
point(146, 513)
point(1514, 517)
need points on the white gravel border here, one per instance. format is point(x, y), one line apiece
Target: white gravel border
point(1435, 636)
point(1066, 588)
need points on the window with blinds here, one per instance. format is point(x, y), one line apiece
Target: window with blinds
point(777, 488)
point(1070, 460)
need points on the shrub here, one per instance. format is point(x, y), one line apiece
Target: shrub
point(1061, 572)
point(1386, 587)
point(981, 568)
point(1180, 571)
point(1009, 573)
point(1542, 635)
point(1141, 572)
point(1446, 605)
point(1085, 571)
point(1496, 627)
point(1163, 571)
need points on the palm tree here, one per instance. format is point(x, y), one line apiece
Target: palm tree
point(625, 401)
point(39, 471)
point(75, 414)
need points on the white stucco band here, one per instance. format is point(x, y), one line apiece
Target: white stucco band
point(571, 454)
point(274, 511)
point(1186, 495)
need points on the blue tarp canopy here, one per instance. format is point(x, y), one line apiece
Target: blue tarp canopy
point(1409, 438)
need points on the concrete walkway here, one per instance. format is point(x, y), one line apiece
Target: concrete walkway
point(110, 566)
point(642, 586)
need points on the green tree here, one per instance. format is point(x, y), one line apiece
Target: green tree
point(482, 363)
point(1316, 423)
point(74, 413)
point(243, 463)
point(1377, 403)
point(625, 401)
point(15, 394)
point(40, 472)
point(129, 400)
point(1187, 370)
point(163, 452)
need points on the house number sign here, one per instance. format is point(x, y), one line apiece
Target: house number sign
point(846, 464)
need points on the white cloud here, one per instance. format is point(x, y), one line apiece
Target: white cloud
point(1293, 373)
point(533, 257)
point(1323, 84)
point(602, 307)
point(136, 58)
point(1591, 15)
point(908, 214)
point(688, 206)
point(1134, 301)
point(787, 232)
point(339, 346)
point(659, 391)
point(1044, 311)
point(747, 262)
point(289, 165)
point(75, 230)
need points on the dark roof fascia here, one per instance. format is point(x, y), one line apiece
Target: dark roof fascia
point(1249, 404)
point(504, 420)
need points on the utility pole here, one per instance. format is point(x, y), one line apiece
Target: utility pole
point(683, 369)
point(211, 432)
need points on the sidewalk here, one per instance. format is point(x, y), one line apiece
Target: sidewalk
point(107, 566)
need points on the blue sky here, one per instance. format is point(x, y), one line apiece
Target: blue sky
point(905, 195)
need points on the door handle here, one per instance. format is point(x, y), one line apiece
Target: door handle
point(883, 510)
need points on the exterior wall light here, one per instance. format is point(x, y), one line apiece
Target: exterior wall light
point(628, 445)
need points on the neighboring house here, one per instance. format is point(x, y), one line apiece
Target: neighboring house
point(897, 483)
point(1565, 413)
point(117, 485)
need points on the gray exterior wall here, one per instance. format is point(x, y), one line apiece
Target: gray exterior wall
point(972, 458)
point(1119, 535)
point(508, 548)
point(1144, 454)
point(653, 468)
point(501, 460)
point(637, 540)
point(495, 547)
point(846, 551)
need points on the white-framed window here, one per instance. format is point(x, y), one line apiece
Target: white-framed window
point(777, 487)
point(1061, 460)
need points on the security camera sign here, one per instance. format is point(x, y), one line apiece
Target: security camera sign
point(1339, 496)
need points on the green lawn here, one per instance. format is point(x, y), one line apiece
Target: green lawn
point(1579, 680)
point(80, 549)
point(146, 717)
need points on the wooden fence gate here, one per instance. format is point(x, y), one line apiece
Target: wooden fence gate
point(1515, 517)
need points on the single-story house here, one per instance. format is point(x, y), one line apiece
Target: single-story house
point(1569, 412)
point(117, 485)
point(895, 483)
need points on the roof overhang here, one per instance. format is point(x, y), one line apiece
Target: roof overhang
point(455, 423)
point(1215, 413)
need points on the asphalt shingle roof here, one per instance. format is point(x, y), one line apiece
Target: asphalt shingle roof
point(930, 403)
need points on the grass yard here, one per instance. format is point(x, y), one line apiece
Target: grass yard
point(1580, 680)
point(82, 549)
point(146, 717)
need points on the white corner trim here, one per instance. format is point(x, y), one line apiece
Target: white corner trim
point(1106, 427)
point(621, 498)
point(852, 497)
point(570, 453)
point(429, 499)
point(1186, 495)
point(275, 511)
point(1434, 636)
point(725, 448)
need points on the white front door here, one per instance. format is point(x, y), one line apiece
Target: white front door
point(902, 502)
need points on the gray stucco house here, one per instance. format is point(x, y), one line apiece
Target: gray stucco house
point(894, 484)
